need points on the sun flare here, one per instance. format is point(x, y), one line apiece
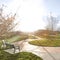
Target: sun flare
point(30, 14)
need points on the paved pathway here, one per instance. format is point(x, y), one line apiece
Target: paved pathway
point(47, 53)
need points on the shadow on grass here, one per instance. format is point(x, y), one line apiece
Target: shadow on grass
point(18, 56)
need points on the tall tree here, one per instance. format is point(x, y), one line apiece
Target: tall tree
point(6, 22)
point(52, 23)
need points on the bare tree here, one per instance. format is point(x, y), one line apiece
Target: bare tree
point(6, 22)
point(52, 23)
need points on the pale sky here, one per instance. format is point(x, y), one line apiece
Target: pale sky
point(30, 13)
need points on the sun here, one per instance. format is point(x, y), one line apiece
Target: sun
point(31, 14)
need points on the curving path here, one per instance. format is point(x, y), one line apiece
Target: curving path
point(47, 53)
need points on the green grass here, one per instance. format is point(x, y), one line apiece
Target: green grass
point(10, 40)
point(16, 38)
point(13, 39)
point(32, 37)
point(18, 56)
point(46, 43)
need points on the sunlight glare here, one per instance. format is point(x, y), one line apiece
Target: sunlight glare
point(30, 14)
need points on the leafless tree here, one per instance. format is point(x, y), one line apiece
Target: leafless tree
point(52, 23)
point(6, 22)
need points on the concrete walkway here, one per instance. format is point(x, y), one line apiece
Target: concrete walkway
point(47, 53)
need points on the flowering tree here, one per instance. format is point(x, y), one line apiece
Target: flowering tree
point(6, 23)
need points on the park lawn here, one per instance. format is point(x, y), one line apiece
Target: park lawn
point(13, 39)
point(18, 56)
point(16, 38)
point(10, 40)
point(46, 43)
point(32, 37)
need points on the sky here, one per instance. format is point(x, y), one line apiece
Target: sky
point(30, 13)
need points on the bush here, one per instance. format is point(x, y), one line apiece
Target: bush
point(19, 56)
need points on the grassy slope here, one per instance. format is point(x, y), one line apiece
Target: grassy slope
point(15, 38)
point(18, 56)
point(48, 43)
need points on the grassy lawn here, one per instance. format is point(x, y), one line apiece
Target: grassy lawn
point(14, 39)
point(18, 56)
point(32, 37)
point(47, 43)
